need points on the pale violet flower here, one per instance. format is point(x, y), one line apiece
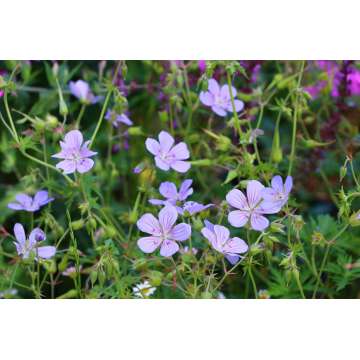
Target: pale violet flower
point(186, 250)
point(164, 233)
point(193, 207)
point(219, 99)
point(167, 155)
point(278, 193)
point(172, 196)
point(251, 207)
point(75, 153)
point(220, 240)
point(25, 247)
point(117, 119)
point(143, 290)
point(27, 203)
point(81, 90)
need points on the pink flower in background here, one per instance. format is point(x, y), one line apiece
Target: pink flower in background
point(75, 153)
point(219, 99)
point(251, 208)
point(25, 247)
point(164, 233)
point(27, 203)
point(353, 82)
point(202, 65)
point(220, 240)
point(167, 155)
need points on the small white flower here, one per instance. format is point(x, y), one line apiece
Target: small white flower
point(143, 290)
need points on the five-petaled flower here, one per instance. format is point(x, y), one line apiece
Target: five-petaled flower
point(27, 203)
point(278, 193)
point(117, 119)
point(76, 155)
point(250, 207)
point(220, 240)
point(25, 247)
point(81, 90)
point(219, 99)
point(167, 155)
point(163, 231)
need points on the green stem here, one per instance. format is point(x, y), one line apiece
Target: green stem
point(80, 116)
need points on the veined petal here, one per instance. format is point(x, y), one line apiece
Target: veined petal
point(237, 199)
point(19, 233)
point(185, 189)
point(288, 184)
point(74, 139)
point(167, 218)
point(222, 234)
point(68, 166)
point(168, 190)
point(236, 246)
point(149, 224)
point(258, 222)
point(168, 248)
point(277, 183)
point(180, 166)
point(166, 141)
point(180, 232)
point(254, 192)
point(149, 244)
point(180, 151)
point(238, 218)
point(84, 165)
point(152, 146)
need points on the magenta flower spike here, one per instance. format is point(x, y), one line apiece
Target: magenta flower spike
point(278, 193)
point(167, 155)
point(164, 233)
point(75, 153)
point(27, 203)
point(219, 99)
point(220, 240)
point(251, 207)
point(81, 90)
point(25, 247)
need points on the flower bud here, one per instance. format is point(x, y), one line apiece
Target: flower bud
point(155, 277)
point(355, 219)
point(135, 130)
point(77, 224)
point(51, 121)
point(223, 143)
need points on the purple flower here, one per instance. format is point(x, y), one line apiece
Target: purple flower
point(278, 193)
point(117, 119)
point(25, 247)
point(251, 207)
point(193, 207)
point(168, 190)
point(219, 98)
point(163, 232)
point(81, 90)
point(219, 238)
point(75, 154)
point(353, 82)
point(138, 169)
point(27, 203)
point(168, 156)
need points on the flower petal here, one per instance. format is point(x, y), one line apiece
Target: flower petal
point(213, 87)
point(161, 164)
point(45, 252)
point(149, 244)
point(258, 222)
point(19, 233)
point(239, 105)
point(168, 248)
point(254, 192)
point(238, 218)
point(233, 259)
point(152, 146)
point(237, 199)
point(181, 166)
point(206, 98)
point(222, 234)
point(218, 110)
point(167, 218)
point(42, 198)
point(85, 151)
point(36, 235)
point(15, 206)
point(185, 189)
point(277, 183)
point(73, 139)
point(68, 166)
point(180, 232)
point(84, 165)
point(225, 92)
point(168, 190)
point(24, 199)
point(149, 224)
point(210, 235)
point(236, 246)
point(180, 151)
point(166, 141)
point(288, 184)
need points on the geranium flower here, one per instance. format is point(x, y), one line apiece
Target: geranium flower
point(278, 193)
point(193, 207)
point(27, 203)
point(81, 90)
point(169, 191)
point(219, 238)
point(164, 232)
point(143, 290)
point(25, 247)
point(250, 207)
point(168, 156)
point(76, 155)
point(117, 119)
point(219, 99)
